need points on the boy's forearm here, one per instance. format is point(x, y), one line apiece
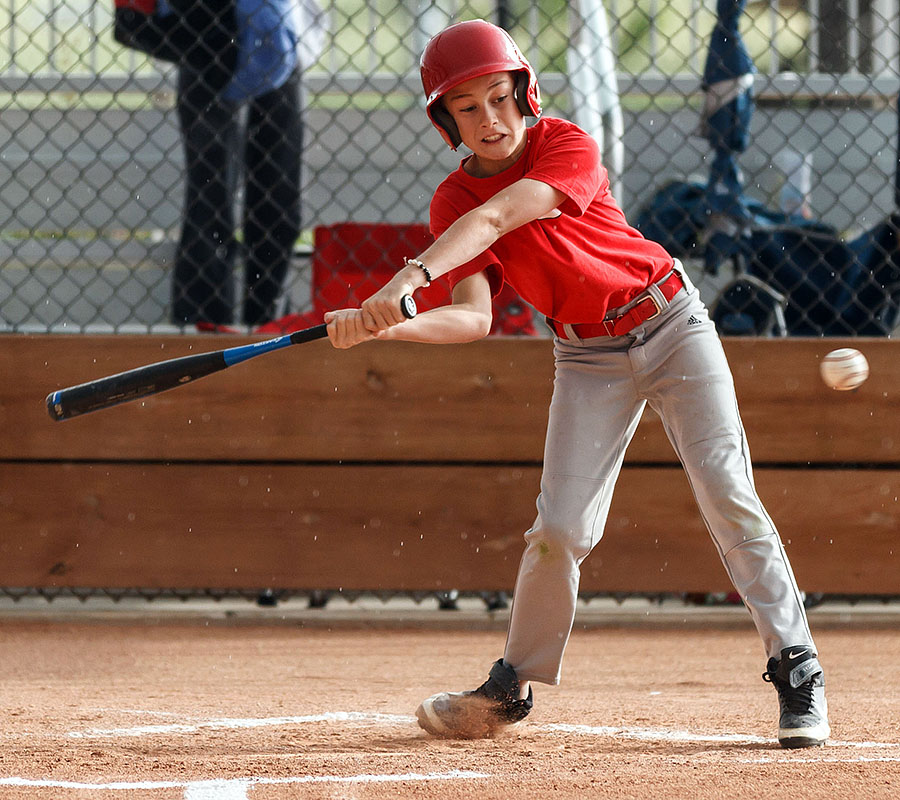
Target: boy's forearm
point(468, 237)
point(478, 229)
point(445, 325)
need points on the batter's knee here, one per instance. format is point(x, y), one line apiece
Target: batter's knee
point(566, 537)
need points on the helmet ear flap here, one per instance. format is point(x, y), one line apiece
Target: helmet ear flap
point(521, 79)
point(444, 119)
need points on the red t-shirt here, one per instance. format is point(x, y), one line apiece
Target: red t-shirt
point(571, 267)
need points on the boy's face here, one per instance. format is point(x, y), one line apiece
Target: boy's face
point(489, 121)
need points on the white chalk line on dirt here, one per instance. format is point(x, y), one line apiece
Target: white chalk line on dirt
point(668, 735)
point(788, 758)
point(141, 712)
point(606, 731)
point(237, 723)
point(237, 787)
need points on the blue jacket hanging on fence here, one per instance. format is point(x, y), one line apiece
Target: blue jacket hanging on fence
point(273, 38)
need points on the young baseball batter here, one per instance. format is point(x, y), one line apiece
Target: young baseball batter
point(532, 207)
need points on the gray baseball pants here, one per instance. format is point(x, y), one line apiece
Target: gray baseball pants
point(674, 362)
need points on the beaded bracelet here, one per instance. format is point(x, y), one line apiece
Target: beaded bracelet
point(414, 262)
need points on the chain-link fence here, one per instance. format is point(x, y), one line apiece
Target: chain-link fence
point(130, 201)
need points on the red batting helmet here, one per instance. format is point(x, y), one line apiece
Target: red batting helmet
point(469, 50)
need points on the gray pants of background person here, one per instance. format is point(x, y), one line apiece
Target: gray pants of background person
point(676, 363)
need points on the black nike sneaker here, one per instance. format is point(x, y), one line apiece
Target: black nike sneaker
point(800, 682)
point(478, 714)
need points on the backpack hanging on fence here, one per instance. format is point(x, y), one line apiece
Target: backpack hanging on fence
point(198, 33)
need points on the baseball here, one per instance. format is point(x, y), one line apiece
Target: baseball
point(844, 369)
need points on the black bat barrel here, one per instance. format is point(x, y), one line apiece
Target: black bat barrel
point(130, 385)
point(156, 378)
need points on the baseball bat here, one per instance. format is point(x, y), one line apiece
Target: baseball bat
point(155, 378)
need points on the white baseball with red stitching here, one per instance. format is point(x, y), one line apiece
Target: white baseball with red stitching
point(844, 369)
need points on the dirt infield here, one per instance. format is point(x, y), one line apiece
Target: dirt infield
point(200, 709)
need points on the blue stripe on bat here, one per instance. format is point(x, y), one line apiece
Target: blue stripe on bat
point(235, 355)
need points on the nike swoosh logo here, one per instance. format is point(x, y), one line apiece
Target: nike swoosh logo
point(799, 653)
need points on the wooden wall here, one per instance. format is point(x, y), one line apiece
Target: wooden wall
point(411, 467)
